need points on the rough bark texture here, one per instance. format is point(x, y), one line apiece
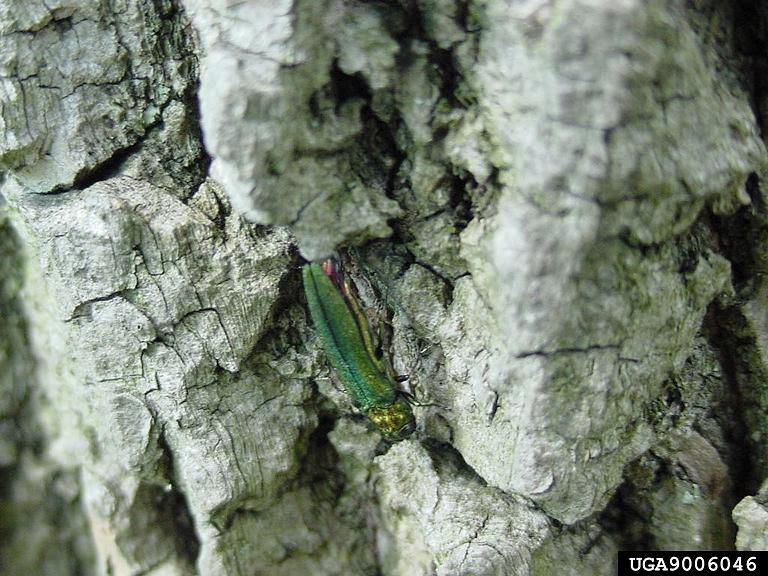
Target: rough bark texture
point(557, 207)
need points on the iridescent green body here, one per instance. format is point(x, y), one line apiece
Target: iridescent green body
point(344, 334)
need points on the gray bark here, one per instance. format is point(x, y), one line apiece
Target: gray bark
point(559, 212)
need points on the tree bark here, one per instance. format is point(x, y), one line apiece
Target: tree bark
point(556, 215)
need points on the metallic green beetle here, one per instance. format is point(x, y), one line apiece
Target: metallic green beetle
point(344, 334)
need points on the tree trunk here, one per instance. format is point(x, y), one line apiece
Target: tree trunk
point(556, 218)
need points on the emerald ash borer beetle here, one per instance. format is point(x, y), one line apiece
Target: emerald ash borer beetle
point(344, 334)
